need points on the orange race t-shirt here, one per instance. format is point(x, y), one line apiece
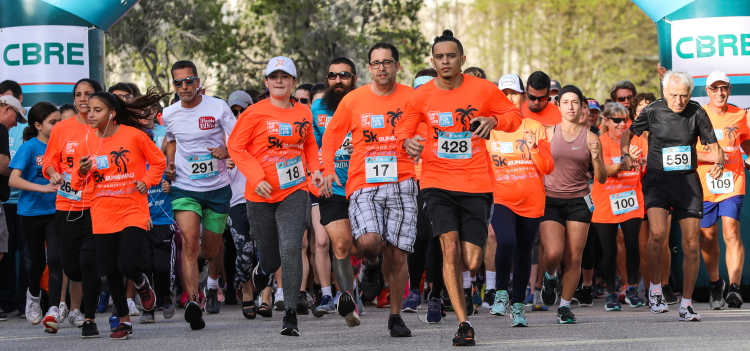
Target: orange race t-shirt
point(518, 171)
point(119, 161)
point(276, 145)
point(372, 120)
point(421, 131)
point(549, 116)
point(454, 159)
point(731, 130)
point(61, 155)
point(620, 198)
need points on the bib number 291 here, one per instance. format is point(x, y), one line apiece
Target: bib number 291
point(203, 166)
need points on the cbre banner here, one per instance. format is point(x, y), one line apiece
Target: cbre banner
point(48, 45)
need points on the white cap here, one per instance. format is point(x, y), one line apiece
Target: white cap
point(10, 100)
point(510, 81)
point(240, 98)
point(717, 76)
point(281, 63)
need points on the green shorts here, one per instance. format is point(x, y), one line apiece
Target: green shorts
point(211, 206)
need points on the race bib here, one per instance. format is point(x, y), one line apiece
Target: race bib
point(290, 172)
point(381, 169)
point(723, 185)
point(347, 142)
point(589, 202)
point(676, 158)
point(66, 191)
point(623, 202)
point(203, 166)
point(454, 145)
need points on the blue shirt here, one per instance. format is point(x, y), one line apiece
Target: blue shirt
point(159, 202)
point(321, 117)
point(28, 159)
point(15, 140)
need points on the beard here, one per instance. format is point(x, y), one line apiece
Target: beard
point(334, 94)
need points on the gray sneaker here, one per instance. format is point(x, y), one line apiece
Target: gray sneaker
point(169, 307)
point(147, 317)
point(326, 305)
point(716, 297)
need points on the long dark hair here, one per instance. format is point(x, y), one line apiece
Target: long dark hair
point(94, 84)
point(129, 113)
point(37, 113)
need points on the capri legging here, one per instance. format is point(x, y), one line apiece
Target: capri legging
point(515, 240)
point(417, 259)
point(240, 229)
point(608, 237)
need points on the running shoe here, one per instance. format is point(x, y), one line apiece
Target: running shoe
point(169, 307)
point(122, 332)
point(586, 296)
point(147, 317)
point(147, 295)
point(50, 321)
point(326, 305)
point(598, 291)
point(412, 302)
point(360, 304)
point(669, 297)
point(623, 294)
point(538, 304)
point(384, 298)
point(716, 297)
point(289, 326)
point(278, 300)
point(489, 298)
point(133, 309)
point(467, 301)
point(33, 308)
point(63, 312)
point(336, 298)
point(500, 305)
point(565, 315)
point(3, 317)
point(184, 299)
point(347, 308)
point(632, 297)
point(194, 315)
point(734, 297)
point(476, 295)
point(518, 316)
point(464, 335)
point(549, 296)
point(213, 305)
point(101, 307)
point(260, 278)
point(370, 281)
point(529, 300)
point(657, 302)
point(89, 330)
point(688, 315)
point(75, 318)
point(612, 302)
point(114, 322)
point(302, 306)
point(434, 310)
point(220, 295)
point(397, 327)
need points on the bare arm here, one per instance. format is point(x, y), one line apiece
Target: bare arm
point(4, 162)
point(718, 155)
point(626, 161)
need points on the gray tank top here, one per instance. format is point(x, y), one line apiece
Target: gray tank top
point(570, 179)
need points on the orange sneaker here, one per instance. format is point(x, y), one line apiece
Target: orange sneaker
point(384, 299)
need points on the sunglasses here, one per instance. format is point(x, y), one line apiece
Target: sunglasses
point(19, 117)
point(237, 112)
point(623, 98)
point(304, 101)
point(189, 81)
point(723, 88)
point(343, 75)
point(534, 98)
point(618, 120)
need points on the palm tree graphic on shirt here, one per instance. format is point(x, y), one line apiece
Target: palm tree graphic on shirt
point(301, 128)
point(525, 152)
point(731, 132)
point(465, 115)
point(393, 118)
point(120, 159)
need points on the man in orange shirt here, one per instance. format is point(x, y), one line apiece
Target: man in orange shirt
point(537, 105)
point(456, 179)
point(381, 187)
point(723, 197)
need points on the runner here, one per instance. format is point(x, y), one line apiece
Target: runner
point(568, 206)
point(302, 94)
point(623, 92)
point(37, 212)
point(113, 158)
point(197, 129)
point(455, 182)
point(512, 86)
point(271, 146)
point(674, 123)
point(537, 105)
point(723, 197)
point(73, 218)
point(618, 203)
point(381, 187)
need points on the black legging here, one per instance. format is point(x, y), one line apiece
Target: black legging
point(608, 237)
point(592, 252)
point(37, 231)
point(79, 261)
point(122, 255)
point(418, 258)
point(515, 240)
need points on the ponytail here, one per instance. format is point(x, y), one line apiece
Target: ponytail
point(129, 113)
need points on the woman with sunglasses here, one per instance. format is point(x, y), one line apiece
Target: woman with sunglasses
point(618, 203)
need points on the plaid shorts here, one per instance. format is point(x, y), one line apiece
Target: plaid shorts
point(389, 210)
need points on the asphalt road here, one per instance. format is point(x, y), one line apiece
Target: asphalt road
point(597, 330)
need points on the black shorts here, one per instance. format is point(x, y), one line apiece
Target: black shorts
point(127, 246)
point(682, 193)
point(563, 210)
point(466, 213)
point(333, 208)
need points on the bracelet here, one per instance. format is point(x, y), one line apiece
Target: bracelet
point(626, 155)
point(721, 164)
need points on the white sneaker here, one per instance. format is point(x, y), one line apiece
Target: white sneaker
point(278, 304)
point(64, 310)
point(51, 320)
point(133, 310)
point(688, 315)
point(76, 318)
point(657, 302)
point(33, 309)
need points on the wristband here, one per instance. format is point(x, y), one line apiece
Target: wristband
point(720, 164)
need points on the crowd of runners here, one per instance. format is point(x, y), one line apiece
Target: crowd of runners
point(454, 194)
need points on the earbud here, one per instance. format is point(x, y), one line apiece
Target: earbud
point(110, 116)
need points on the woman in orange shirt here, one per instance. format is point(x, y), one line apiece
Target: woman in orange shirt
point(121, 162)
point(273, 145)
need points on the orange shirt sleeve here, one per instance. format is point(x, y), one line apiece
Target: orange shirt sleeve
point(237, 145)
point(334, 135)
point(52, 154)
point(156, 160)
point(744, 130)
point(542, 157)
point(508, 115)
point(406, 127)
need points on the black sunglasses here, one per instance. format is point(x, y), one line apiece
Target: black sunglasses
point(534, 98)
point(19, 116)
point(618, 120)
point(344, 75)
point(237, 112)
point(189, 81)
point(623, 98)
point(304, 101)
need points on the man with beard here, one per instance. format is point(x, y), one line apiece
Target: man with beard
point(334, 210)
point(537, 105)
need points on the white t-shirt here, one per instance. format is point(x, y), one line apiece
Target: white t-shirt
point(196, 129)
point(237, 182)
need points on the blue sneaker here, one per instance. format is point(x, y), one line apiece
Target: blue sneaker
point(632, 298)
point(114, 322)
point(612, 303)
point(103, 303)
point(326, 305)
point(500, 307)
point(336, 299)
point(529, 298)
point(518, 316)
point(412, 302)
point(434, 310)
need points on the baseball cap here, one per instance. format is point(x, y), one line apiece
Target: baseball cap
point(240, 98)
point(510, 81)
point(593, 105)
point(717, 76)
point(281, 63)
point(419, 81)
point(554, 85)
point(10, 100)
